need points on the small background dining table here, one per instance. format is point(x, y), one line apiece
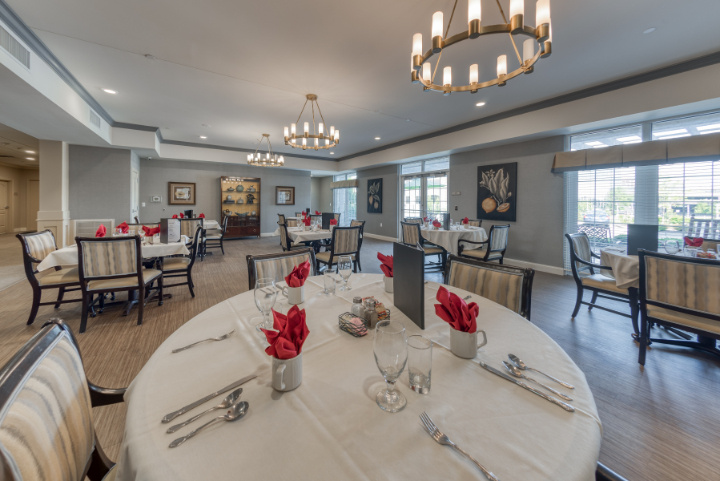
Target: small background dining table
point(330, 427)
point(68, 256)
point(448, 239)
point(300, 236)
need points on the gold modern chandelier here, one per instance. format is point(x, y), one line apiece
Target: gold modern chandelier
point(268, 159)
point(319, 138)
point(423, 72)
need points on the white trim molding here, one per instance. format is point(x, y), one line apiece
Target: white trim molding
point(380, 237)
point(558, 271)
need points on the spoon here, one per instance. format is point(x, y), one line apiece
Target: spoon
point(235, 412)
point(521, 365)
point(231, 399)
point(515, 371)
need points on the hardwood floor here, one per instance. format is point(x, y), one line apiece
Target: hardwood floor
point(659, 424)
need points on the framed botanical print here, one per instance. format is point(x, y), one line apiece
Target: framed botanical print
point(497, 192)
point(375, 196)
point(181, 193)
point(284, 195)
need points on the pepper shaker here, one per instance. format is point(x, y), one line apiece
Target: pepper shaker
point(371, 316)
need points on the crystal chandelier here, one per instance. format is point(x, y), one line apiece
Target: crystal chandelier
point(319, 138)
point(423, 72)
point(267, 159)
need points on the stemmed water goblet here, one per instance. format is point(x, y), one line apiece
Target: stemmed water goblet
point(265, 295)
point(344, 266)
point(390, 349)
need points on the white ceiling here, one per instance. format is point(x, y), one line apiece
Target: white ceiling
point(243, 67)
point(17, 149)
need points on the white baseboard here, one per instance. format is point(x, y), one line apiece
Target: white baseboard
point(380, 237)
point(268, 234)
point(558, 271)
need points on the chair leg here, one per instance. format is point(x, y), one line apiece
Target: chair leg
point(358, 263)
point(141, 303)
point(37, 294)
point(577, 302)
point(643, 341)
point(593, 300)
point(190, 283)
point(86, 300)
point(61, 293)
point(222, 248)
point(160, 293)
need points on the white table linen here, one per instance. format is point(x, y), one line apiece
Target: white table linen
point(211, 224)
point(330, 427)
point(448, 239)
point(298, 235)
point(68, 256)
point(625, 268)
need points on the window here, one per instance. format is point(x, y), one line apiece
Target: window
point(686, 126)
point(345, 200)
point(425, 188)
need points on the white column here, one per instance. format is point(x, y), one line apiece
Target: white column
point(54, 190)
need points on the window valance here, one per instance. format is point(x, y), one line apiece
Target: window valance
point(344, 184)
point(687, 149)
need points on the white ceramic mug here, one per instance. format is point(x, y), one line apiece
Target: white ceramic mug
point(286, 373)
point(465, 344)
point(295, 295)
point(388, 284)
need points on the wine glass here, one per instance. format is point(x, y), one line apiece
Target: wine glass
point(672, 246)
point(265, 295)
point(344, 266)
point(390, 349)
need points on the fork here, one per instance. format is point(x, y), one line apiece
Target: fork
point(219, 338)
point(441, 438)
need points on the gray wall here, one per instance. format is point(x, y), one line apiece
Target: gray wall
point(326, 194)
point(99, 183)
point(537, 235)
point(315, 189)
point(385, 224)
point(155, 175)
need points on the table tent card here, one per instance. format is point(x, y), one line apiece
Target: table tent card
point(169, 230)
point(642, 236)
point(409, 282)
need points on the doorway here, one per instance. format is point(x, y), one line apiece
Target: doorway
point(4, 206)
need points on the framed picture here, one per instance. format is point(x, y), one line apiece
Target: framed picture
point(374, 196)
point(497, 192)
point(284, 195)
point(181, 193)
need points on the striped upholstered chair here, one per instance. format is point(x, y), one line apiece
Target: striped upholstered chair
point(113, 264)
point(411, 235)
point(345, 241)
point(46, 422)
point(475, 222)
point(679, 292)
point(507, 285)
point(292, 222)
point(277, 266)
point(36, 247)
point(181, 266)
point(493, 249)
point(285, 240)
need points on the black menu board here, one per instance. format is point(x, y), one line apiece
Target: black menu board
point(409, 282)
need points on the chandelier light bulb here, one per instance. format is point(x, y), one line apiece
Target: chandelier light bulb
point(542, 12)
point(517, 7)
point(317, 142)
point(427, 72)
point(306, 128)
point(502, 65)
point(474, 73)
point(286, 132)
point(293, 129)
point(437, 24)
point(332, 131)
point(528, 49)
point(321, 128)
point(447, 75)
point(327, 141)
point(337, 135)
point(304, 142)
point(474, 10)
point(417, 44)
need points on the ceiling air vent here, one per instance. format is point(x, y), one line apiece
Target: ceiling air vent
point(14, 48)
point(94, 119)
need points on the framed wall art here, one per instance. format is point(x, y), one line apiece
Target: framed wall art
point(497, 192)
point(375, 196)
point(284, 195)
point(181, 193)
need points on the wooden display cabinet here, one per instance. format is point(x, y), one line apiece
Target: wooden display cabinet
point(240, 202)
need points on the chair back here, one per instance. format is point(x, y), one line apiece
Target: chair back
point(509, 286)
point(292, 222)
point(46, 423)
point(194, 248)
point(475, 222)
point(189, 226)
point(36, 247)
point(411, 233)
point(597, 234)
point(277, 266)
point(285, 240)
point(345, 241)
point(298, 214)
point(223, 226)
point(358, 223)
point(281, 218)
point(580, 250)
point(498, 238)
point(414, 220)
point(109, 258)
point(705, 228)
point(326, 217)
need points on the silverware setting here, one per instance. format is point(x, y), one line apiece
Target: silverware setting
point(229, 400)
point(169, 417)
point(515, 371)
point(521, 365)
point(219, 338)
point(235, 412)
point(466, 298)
point(441, 438)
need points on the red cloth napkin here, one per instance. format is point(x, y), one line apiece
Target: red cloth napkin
point(696, 242)
point(150, 231)
point(304, 214)
point(201, 216)
point(307, 221)
point(299, 275)
point(291, 331)
point(101, 231)
point(182, 216)
point(124, 228)
point(387, 264)
point(317, 212)
point(437, 224)
point(455, 311)
point(465, 220)
point(333, 221)
point(175, 216)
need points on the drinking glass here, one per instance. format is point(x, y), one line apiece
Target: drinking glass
point(672, 246)
point(344, 266)
point(329, 282)
point(390, 349)
point(265, 295)
point(419, 363)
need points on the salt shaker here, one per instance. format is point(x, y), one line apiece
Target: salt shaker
point(357, 308)
point(371, 316)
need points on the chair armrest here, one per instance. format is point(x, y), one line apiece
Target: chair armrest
point(473, 242)
point(101, 396)
point(594, 266)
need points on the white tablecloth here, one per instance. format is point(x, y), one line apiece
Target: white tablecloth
point(211, 224)
point(298, 235)
point(448, 239)
point(625, 268)
point(68, 256)
point(330, 427)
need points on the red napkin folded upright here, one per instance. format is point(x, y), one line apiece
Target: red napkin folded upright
point(150, 231)
point(387, 264)
point(124, 228)
point(465, 220)
point(201, 216)
point(182, 216)
point(437, 224)
point(101, 231)
point(291, 331)
point(333, 221)
point(455, 311)
point(317, 212)
point(426, 219)
point(175, 216)
point(307, 221)
point(299, 275)
point(696, 242)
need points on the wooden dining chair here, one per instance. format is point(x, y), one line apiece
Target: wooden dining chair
point(679, 292)
point(281, 218)
point(189, 226)
point(277, 266)
point(285, 240)
point(292, 223)
point(345, 241)
point(46, 420)
point(475, 222)
point(214, 239)
point(181, 266)
point(493, 249)
point(361, 224)
point(603, 473)
point(35, 247)
point(114, 264)
point(508, 286)
point(412, 235)
point(413, 220)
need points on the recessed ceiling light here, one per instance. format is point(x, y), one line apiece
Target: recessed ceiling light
point(332, 153)
point(479, 104)
point(203, 137)
point(110, 91)
point(649, 30)
point(377, 138)
point(30, 158)
point(29, 151)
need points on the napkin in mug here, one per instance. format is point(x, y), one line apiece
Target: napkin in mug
point(307, 221)
point(387, 264)
point(465, 220)
point(150, 231)
point(426, 219)
point(696, 242)
point(455, 311)
point(124, 228)
point(290, 332)
point(333, 221)
point(299, 275)
point(101, 231)
point(182, 216)
point(175, 216)
point(437, 224)
point(201, 216)
point(317, 212)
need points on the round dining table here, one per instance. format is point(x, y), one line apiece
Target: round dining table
point(448, 238)
point(331, 428)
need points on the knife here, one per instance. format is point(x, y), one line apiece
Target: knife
point(183, 410)
point(563, 405)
